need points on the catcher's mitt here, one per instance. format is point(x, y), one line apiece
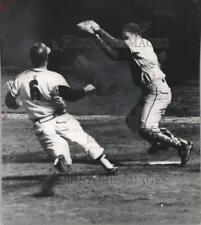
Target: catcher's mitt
point(89, 26)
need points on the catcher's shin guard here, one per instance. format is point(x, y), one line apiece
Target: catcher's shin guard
point(158, 146)
point(167, 132)
point(161, 136)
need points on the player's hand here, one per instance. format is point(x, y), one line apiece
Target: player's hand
point(59, 101)
point(89, 26)
point(59, 104)
point(89, 88)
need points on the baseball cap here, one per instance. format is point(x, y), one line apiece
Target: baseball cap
point(132, 27)
point(40, 48)
point(39, 52)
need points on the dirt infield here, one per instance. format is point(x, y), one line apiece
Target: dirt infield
point(169, 119)
point(145, 191)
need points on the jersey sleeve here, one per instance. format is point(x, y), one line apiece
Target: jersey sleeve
point(14, 86)
point(54, 83)
point(60, 81)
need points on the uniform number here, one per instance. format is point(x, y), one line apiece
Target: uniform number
point(34, 91)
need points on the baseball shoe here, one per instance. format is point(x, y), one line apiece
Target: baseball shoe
point(112, 171)
point(61, 165)
point(185, 152)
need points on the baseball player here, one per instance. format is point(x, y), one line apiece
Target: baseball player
point(44, 93)
point(146, 74)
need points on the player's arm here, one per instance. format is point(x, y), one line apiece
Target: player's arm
point(112, 53)
point(113, 47)
point(70, 94)
point(10, 101)
point(12, 94)
point(111, 41)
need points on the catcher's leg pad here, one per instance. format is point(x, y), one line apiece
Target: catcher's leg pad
point(155, 135)
point(167, 132)
point(164, 146)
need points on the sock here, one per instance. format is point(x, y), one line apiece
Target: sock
point(105, 162)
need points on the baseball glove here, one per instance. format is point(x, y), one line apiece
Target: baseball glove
point(89, 26)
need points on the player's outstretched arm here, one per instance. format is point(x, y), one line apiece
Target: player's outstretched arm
point(94, 28)
point(10, 101)
point(113, 47)
point(70, 94)
point(112, 42)
point(111, 53)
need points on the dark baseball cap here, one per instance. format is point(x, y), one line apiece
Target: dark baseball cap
point(39, 53)
point(40, 48)
point(132, 28)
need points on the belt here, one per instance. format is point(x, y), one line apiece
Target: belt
point(146, 88)
point(47, 118)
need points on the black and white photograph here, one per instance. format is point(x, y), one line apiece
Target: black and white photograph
point(100, 112)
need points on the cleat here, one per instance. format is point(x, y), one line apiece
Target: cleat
point(185, 152)
point(113, 170)
point(61, 165)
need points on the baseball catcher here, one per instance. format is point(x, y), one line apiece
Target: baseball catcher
point(44, 95)
point(146, 74)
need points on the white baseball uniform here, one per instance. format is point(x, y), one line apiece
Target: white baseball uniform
point(157, 94)
point(143, 54)
point(53, 128)
point(146, 74)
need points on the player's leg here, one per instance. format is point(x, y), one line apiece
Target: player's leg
point(154, 107)
point(133, 122)
point(56, 146)
point(69, 128)
point(159, 146)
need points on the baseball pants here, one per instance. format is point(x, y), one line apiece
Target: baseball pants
point(149, 112)
point(157, 97)
point(54, 135)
